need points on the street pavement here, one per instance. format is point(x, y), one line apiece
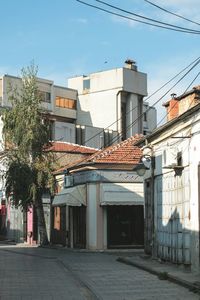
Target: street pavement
point(43, 273)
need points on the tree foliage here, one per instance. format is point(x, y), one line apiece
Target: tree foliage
point(26, 133)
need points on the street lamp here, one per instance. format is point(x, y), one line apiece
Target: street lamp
point(144, 164)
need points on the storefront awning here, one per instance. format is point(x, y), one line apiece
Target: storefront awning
point(74, 196)
point(122, 194)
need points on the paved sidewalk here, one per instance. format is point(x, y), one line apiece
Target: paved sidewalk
point(164, 270)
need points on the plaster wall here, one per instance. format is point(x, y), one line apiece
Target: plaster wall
point(135, 82)
point(91, 217)
point(100, 81)
point(64, 132)
point(98, 109)
point(176, 197)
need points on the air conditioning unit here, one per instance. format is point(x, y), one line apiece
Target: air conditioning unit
point(68, 181)
point(169, 157)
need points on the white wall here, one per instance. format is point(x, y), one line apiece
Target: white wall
point(98, 109)
point(135, 82)
point(64, 132)
point(100, 81)
point(151, 123)
point(176, 197)
point(100, 106)
point(133, 119)
point(91, 217)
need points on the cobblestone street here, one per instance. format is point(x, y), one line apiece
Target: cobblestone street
point(38, 273)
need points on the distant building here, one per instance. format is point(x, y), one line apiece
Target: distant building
point(96, 111)
point(113, 99)
point(60, 103)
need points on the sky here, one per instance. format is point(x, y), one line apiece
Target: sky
point(65, 38)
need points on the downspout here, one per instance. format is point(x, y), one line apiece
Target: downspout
point(153, 237)
point(154, 252)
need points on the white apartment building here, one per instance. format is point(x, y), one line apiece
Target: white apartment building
point(97, 110)
point(61, 105)
point(59, 102)
point(113, 99)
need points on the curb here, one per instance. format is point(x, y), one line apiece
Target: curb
point(162, 275)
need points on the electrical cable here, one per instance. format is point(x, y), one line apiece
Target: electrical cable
point(172, 13)
point(172, 79)
point(196, 61)
point(164, 94)
point(175, 104)
point(192, 82)
point(136, 20)
point(143, 17)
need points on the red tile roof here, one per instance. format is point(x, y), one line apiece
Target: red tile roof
point(123, 153)
point(71, 148)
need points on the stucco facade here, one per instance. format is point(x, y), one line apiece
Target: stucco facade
point(102, 200)
point(58, 102)
point(172, 190)
point(102, 192)
point(113, 99)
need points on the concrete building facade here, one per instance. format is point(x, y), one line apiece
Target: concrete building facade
point(113, 99)
point(101, 205)
point(172, 185)
point(60, 103)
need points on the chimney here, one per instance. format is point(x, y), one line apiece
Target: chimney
point(130, 64)
point(172, 107)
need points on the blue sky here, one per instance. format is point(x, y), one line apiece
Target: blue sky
point(66, 38)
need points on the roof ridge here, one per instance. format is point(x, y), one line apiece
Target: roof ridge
point(75, 145)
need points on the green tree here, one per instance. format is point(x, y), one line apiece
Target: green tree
point(26, 134)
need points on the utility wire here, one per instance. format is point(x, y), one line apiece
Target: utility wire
point(155, 103)
point(141, 116)
point(192, 82)
point(124, 156)
point(143, 17)
point(165, 84)
point(136, 20)
point(171, 13)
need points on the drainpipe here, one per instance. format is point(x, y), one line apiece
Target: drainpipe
point(154, 252)
point(153, 237)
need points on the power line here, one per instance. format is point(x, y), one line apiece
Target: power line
point(136, 20)
point(192, 82)
point(165, 84)
point(196, 61)
point(141, 116)
point(166, 115)
point(143, 17)
point(172, 13)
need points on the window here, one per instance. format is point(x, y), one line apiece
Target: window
point(179, 159)
point(45, 96)
point(86, 84)
point(65, 102)
point(145, 116)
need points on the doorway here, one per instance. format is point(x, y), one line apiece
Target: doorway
point(125, 227)
point(79, 227)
